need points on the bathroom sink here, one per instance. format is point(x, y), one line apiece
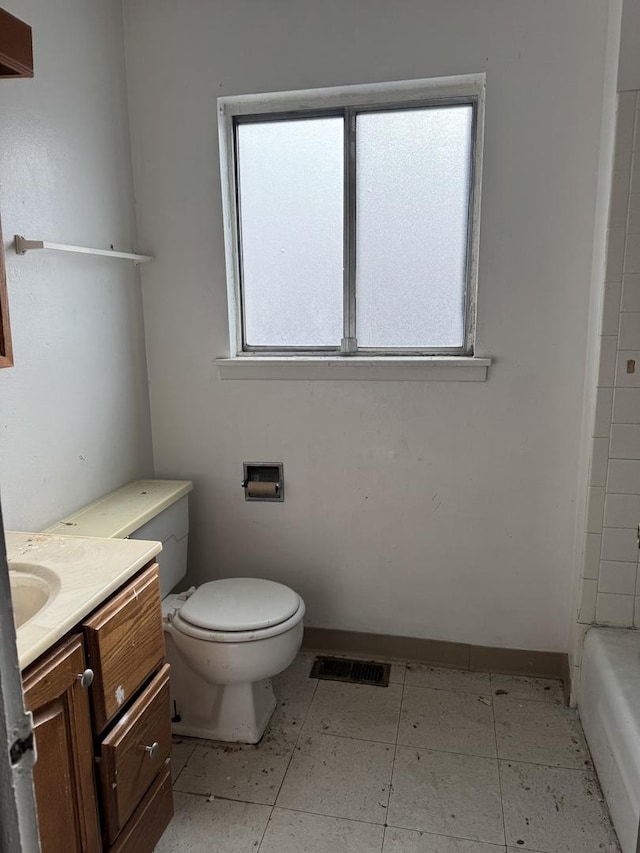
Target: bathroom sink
point(32, 588)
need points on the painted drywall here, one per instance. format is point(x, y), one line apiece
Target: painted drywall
point(437, 509)
point(74, 412)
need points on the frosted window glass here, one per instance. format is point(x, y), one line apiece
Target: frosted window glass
point(291, 211)
point(412, 197)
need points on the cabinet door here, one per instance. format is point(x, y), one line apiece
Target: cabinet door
point(63, 774)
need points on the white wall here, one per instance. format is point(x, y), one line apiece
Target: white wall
point(441, 510)
point(74, 412)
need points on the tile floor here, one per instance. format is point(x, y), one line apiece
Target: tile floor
point(441, 761)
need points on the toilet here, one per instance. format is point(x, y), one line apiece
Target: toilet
point(226, 639)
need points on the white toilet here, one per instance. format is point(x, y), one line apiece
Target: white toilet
point(225, 639)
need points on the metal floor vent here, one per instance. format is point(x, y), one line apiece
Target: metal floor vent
point(355, 671)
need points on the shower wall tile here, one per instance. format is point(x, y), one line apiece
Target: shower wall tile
point(610, 564)
point(621, 510)
point(626, 406)
point(600, 461)
point(625, 121)
point(588, 597)
point(617, 577)
point(633, 226)
point(631, 289)
point(625, 441)
point(619, 544)
point(611, 308)
point(616, 610)
point(591, 555)
point(623, 478)
point(635, 172)
point(627, 373)
point(619, 198)
point(632, 250)
point(615, 254)
point(629, 334)
point(595, 509)
point(604, 406)
point(607, 369)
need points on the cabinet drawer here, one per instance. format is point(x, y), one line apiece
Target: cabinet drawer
point(125, 644)
point(133, 754)
point(150, 819)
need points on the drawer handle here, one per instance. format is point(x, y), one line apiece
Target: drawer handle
point(152, 749)
point(86, 678)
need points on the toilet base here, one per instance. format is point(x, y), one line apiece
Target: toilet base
point(235, 713)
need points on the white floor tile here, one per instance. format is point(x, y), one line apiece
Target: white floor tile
point(462, 680)
point(554, 810)
point(442, 719)
point(446, 794)
point(540, 733)
point(339, 777)
point(181, 750)
point(294, 692)
point(409, 841)
point(236, 827)
point(250, 773)
point(525, 687)
point(297, 832)
point(355, 710)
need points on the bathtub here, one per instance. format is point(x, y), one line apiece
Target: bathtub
point(609, 706)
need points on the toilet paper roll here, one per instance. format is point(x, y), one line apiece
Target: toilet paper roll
point(257, 489)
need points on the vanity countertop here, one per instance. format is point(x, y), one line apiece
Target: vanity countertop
point(89, 571)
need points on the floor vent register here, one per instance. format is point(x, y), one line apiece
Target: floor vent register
point(353, 671)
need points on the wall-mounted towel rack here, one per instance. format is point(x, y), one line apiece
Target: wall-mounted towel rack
point(23, 246)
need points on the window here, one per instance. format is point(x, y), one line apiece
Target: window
point(352, 218)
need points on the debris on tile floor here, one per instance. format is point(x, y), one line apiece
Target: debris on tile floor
point(440, 761)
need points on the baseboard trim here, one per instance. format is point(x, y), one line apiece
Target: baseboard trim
point(440, 653)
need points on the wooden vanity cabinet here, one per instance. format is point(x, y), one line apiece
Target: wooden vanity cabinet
point(106, 785)
point(63, 774)
point(131, 712)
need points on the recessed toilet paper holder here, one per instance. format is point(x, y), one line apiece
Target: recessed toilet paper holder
point(263, 481)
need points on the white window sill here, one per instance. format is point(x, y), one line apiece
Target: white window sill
point(394, 369)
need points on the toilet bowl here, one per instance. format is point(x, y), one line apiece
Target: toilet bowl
point(226, 639)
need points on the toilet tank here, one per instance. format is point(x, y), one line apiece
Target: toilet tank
point(156, 510)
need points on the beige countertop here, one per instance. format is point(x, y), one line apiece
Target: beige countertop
point(87, 571)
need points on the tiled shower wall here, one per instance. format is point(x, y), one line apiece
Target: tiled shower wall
point(610, 583)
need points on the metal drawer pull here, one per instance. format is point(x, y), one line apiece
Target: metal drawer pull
point(152, 749)
point(86, 678)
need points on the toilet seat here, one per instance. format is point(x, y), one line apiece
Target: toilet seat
point(239, 604)
point(212, 636)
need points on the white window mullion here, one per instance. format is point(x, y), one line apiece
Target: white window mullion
point(349, 342)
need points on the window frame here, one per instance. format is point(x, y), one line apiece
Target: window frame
point(347, 102)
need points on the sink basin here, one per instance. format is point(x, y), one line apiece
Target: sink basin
point(32, 587)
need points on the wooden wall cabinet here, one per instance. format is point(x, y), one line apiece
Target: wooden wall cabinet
point(102, 777)
point(16, 49)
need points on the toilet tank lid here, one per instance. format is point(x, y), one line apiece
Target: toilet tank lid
point(240, 604)
point(120, 513)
